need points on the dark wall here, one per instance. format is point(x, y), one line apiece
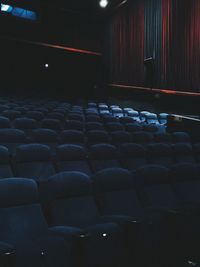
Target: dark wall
point(70, 73)
point(166, 30)
point(22, 70)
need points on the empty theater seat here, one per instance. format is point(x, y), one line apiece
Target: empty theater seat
point(25, 124)
point(21, 214)
point(75, 116)
point(185, 179)
point(36, 115)
point(45, 136)
point(134, 114)
point(3, 107)
point(152, 128)
point(11, 114)
point(125, 120)
point(120, 137)
point(114, 126)
point(102, 156)
point(72, 158)
point(133, 127)
point(154, 188)
point(56, 115)
point(33, 161)
point(142, 137)
point(183, 153)
point(92, 118)
point(97, 137)
point(72, 137)
point(115, 193)
point(163, 117)
point(52, 124)
point(163, 138)
point(160, 153)
point(90, 126)
point(4, 122)
point(74, 125)
point(70, 202)
point(5, 165)
point(151, 118)
point(132, 156)
point(12, 138)
point(185, 182)
point(181, 137)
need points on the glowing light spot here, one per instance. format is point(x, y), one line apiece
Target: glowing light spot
point(103, 3)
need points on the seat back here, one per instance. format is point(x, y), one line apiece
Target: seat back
point(142, 137)
point(181, 137)
point(73, 137)
point(154, 187)
point(103, 156)
point(72, 158)
point(34, 161)
point(21, 216)
point(69, 198)
point(4, 122)
point(120, 137)
point(132, 156)
point(185, 179)
point(115, 193)
point(160, 153)
point(97, 137)
point(183, 153)
point(12, 138)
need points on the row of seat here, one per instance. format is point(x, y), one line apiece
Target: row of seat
point(92, 123)
point(62, 113)
point(120, 216)
point(37, 160)
point(56, 109)
point(11, 138)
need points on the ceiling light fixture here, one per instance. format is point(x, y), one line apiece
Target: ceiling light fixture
point(103, 3)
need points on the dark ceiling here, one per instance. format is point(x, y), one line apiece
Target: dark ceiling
point(81, 6)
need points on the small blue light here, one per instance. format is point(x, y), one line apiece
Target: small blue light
point(23, 13)
point(6, 8)
point(19, 12)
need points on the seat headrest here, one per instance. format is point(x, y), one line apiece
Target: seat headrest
point(4, 122)
point(17, 191)
point(103, 151)
point(150, 175)
point(44, 135)
point(159, 149)
point(12, 135)
point(182, 148)
point(71, 152)
point(25, 123)
point(33, 152)
point(184, 172)
point(51, 123)
point(113, 179)
point(66, 184)
point(132, 150)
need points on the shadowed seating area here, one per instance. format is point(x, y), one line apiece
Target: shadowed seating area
point(99, 133)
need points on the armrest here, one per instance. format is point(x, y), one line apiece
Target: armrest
point(116, 218)
point(78, 240)
point(6, 249)
point(7, 255)
point(69, 232)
